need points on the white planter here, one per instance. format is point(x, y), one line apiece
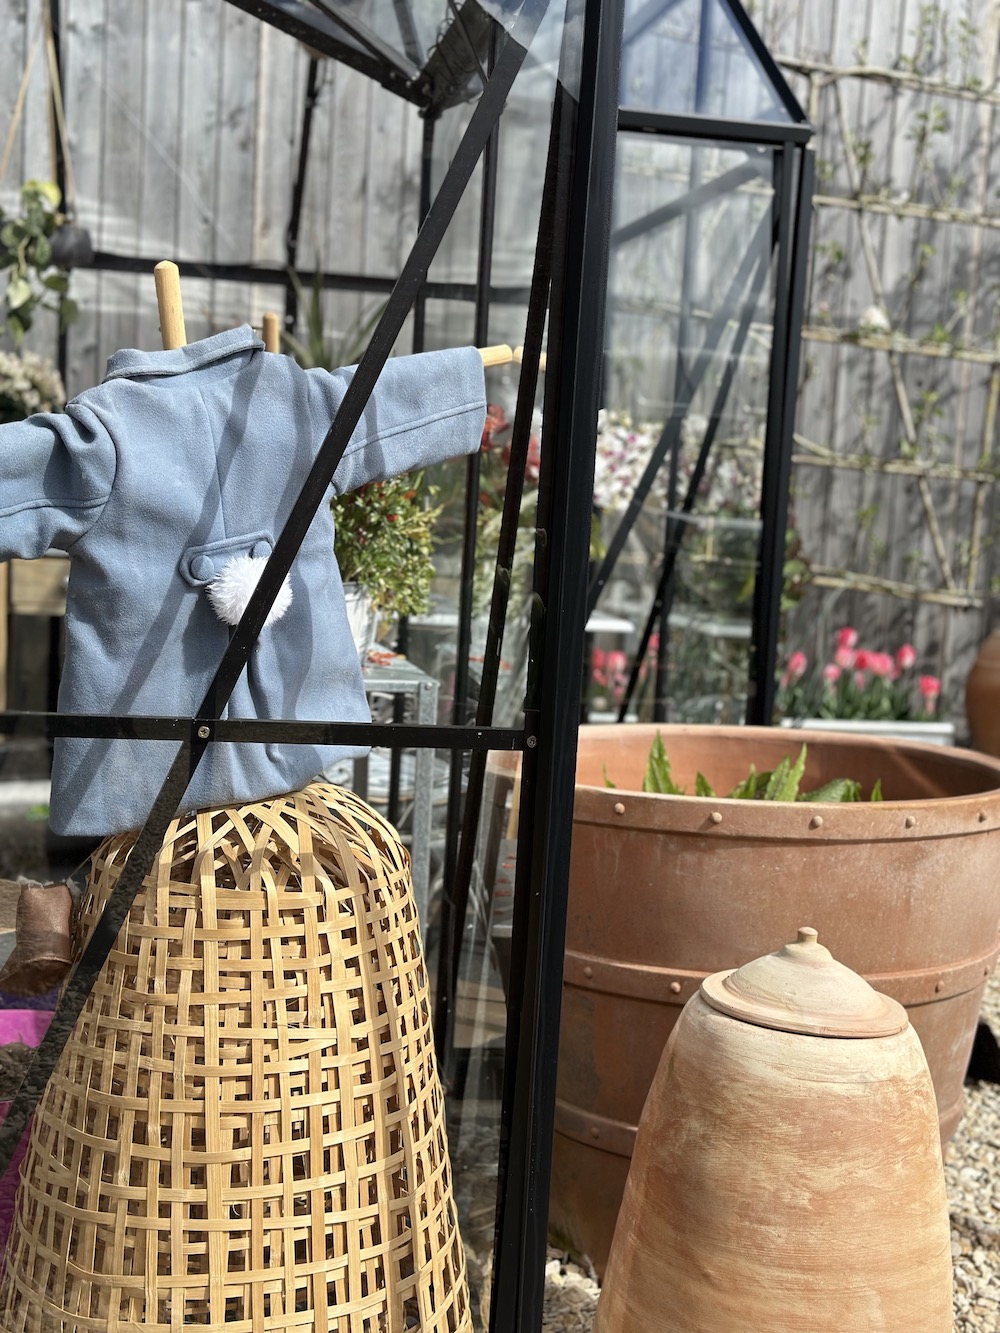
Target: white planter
point(362, 618)
point(932, 733)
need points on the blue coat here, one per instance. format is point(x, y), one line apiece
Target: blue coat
point(177, 462)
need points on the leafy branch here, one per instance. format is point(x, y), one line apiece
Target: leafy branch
point(34, 279)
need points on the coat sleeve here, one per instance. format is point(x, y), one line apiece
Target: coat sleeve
point(425, 408)
point(56, 474)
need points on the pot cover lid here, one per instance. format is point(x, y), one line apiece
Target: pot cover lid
point(802, 988)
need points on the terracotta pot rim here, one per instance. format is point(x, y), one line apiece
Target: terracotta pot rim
point(721, 816)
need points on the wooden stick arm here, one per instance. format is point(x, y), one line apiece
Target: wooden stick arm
point(500, 355)
point(272, 332)
point(167, 277)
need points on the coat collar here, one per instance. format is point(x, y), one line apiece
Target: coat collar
point(131, 362)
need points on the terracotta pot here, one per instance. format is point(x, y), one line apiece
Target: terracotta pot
point(665, 890)
point(982, 696)
point(787, 1170)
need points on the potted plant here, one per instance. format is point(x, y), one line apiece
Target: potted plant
point(858, 689)
point(383, 543)
point(665, 889)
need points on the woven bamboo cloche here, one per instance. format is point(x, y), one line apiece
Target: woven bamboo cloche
point(246, 1128)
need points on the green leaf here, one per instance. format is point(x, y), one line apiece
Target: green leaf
point(16, 325)
point(842, 790)
point(788, 788)
point(702, 786)
point(876, 791)
point(41, 252)
point(18, 293)
point(747, 789)
point(68, 312)
point(659, 778)
point(56, 282)
point(48, 190)
point(776, 779)
point(9, 235)
point(607, 780)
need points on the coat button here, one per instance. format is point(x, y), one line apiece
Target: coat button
point(203, 568)
point(261, 550)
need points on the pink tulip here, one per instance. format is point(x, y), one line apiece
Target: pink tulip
point(847, 637)
point(617, 661)
point(930, 688)
point(844, 658)
point(881, 664)
point(797, 664)
point(831, 673)
point(795, 668)
point(597, 659)
point(863, 659)
point(906, 656)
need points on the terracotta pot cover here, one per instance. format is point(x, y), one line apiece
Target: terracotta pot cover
point(787, 1171)
point(665, 890)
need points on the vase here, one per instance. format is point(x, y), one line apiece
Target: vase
point(362, 618)
point(665, 890)
point(982, 696)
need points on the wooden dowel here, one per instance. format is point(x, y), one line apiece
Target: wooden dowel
point(167, 277)
point(501, 355)
point(272, 331)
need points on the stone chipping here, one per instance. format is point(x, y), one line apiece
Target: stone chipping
point(972, 1174)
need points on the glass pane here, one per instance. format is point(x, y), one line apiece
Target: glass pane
point(687, 354)
point(690, 57)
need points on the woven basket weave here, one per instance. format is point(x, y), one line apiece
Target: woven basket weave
point(246, 1129)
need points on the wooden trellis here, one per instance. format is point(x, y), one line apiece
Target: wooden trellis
point(896, 459)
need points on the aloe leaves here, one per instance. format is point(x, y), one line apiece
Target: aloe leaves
point(779, 784)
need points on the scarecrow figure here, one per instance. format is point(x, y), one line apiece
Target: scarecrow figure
point(246, 1124)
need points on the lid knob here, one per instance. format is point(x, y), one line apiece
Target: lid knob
point(802, 988)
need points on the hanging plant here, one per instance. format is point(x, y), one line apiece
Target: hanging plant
point(35, 278)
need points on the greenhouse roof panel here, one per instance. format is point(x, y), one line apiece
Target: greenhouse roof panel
point(703, 58)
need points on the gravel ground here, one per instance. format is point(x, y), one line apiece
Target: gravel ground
point(973, 1180)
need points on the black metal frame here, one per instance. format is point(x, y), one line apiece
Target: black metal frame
point(567, 292)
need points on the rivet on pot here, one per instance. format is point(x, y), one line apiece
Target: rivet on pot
point(619, 808)
point(939, 985)
point(816, 821)
point(675, 986)
point(909, 821)
point(716, 817)
point(588, 972)
point(982, 816)
point(595, 1133)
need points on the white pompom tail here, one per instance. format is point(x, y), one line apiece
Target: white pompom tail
point(230, 591)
